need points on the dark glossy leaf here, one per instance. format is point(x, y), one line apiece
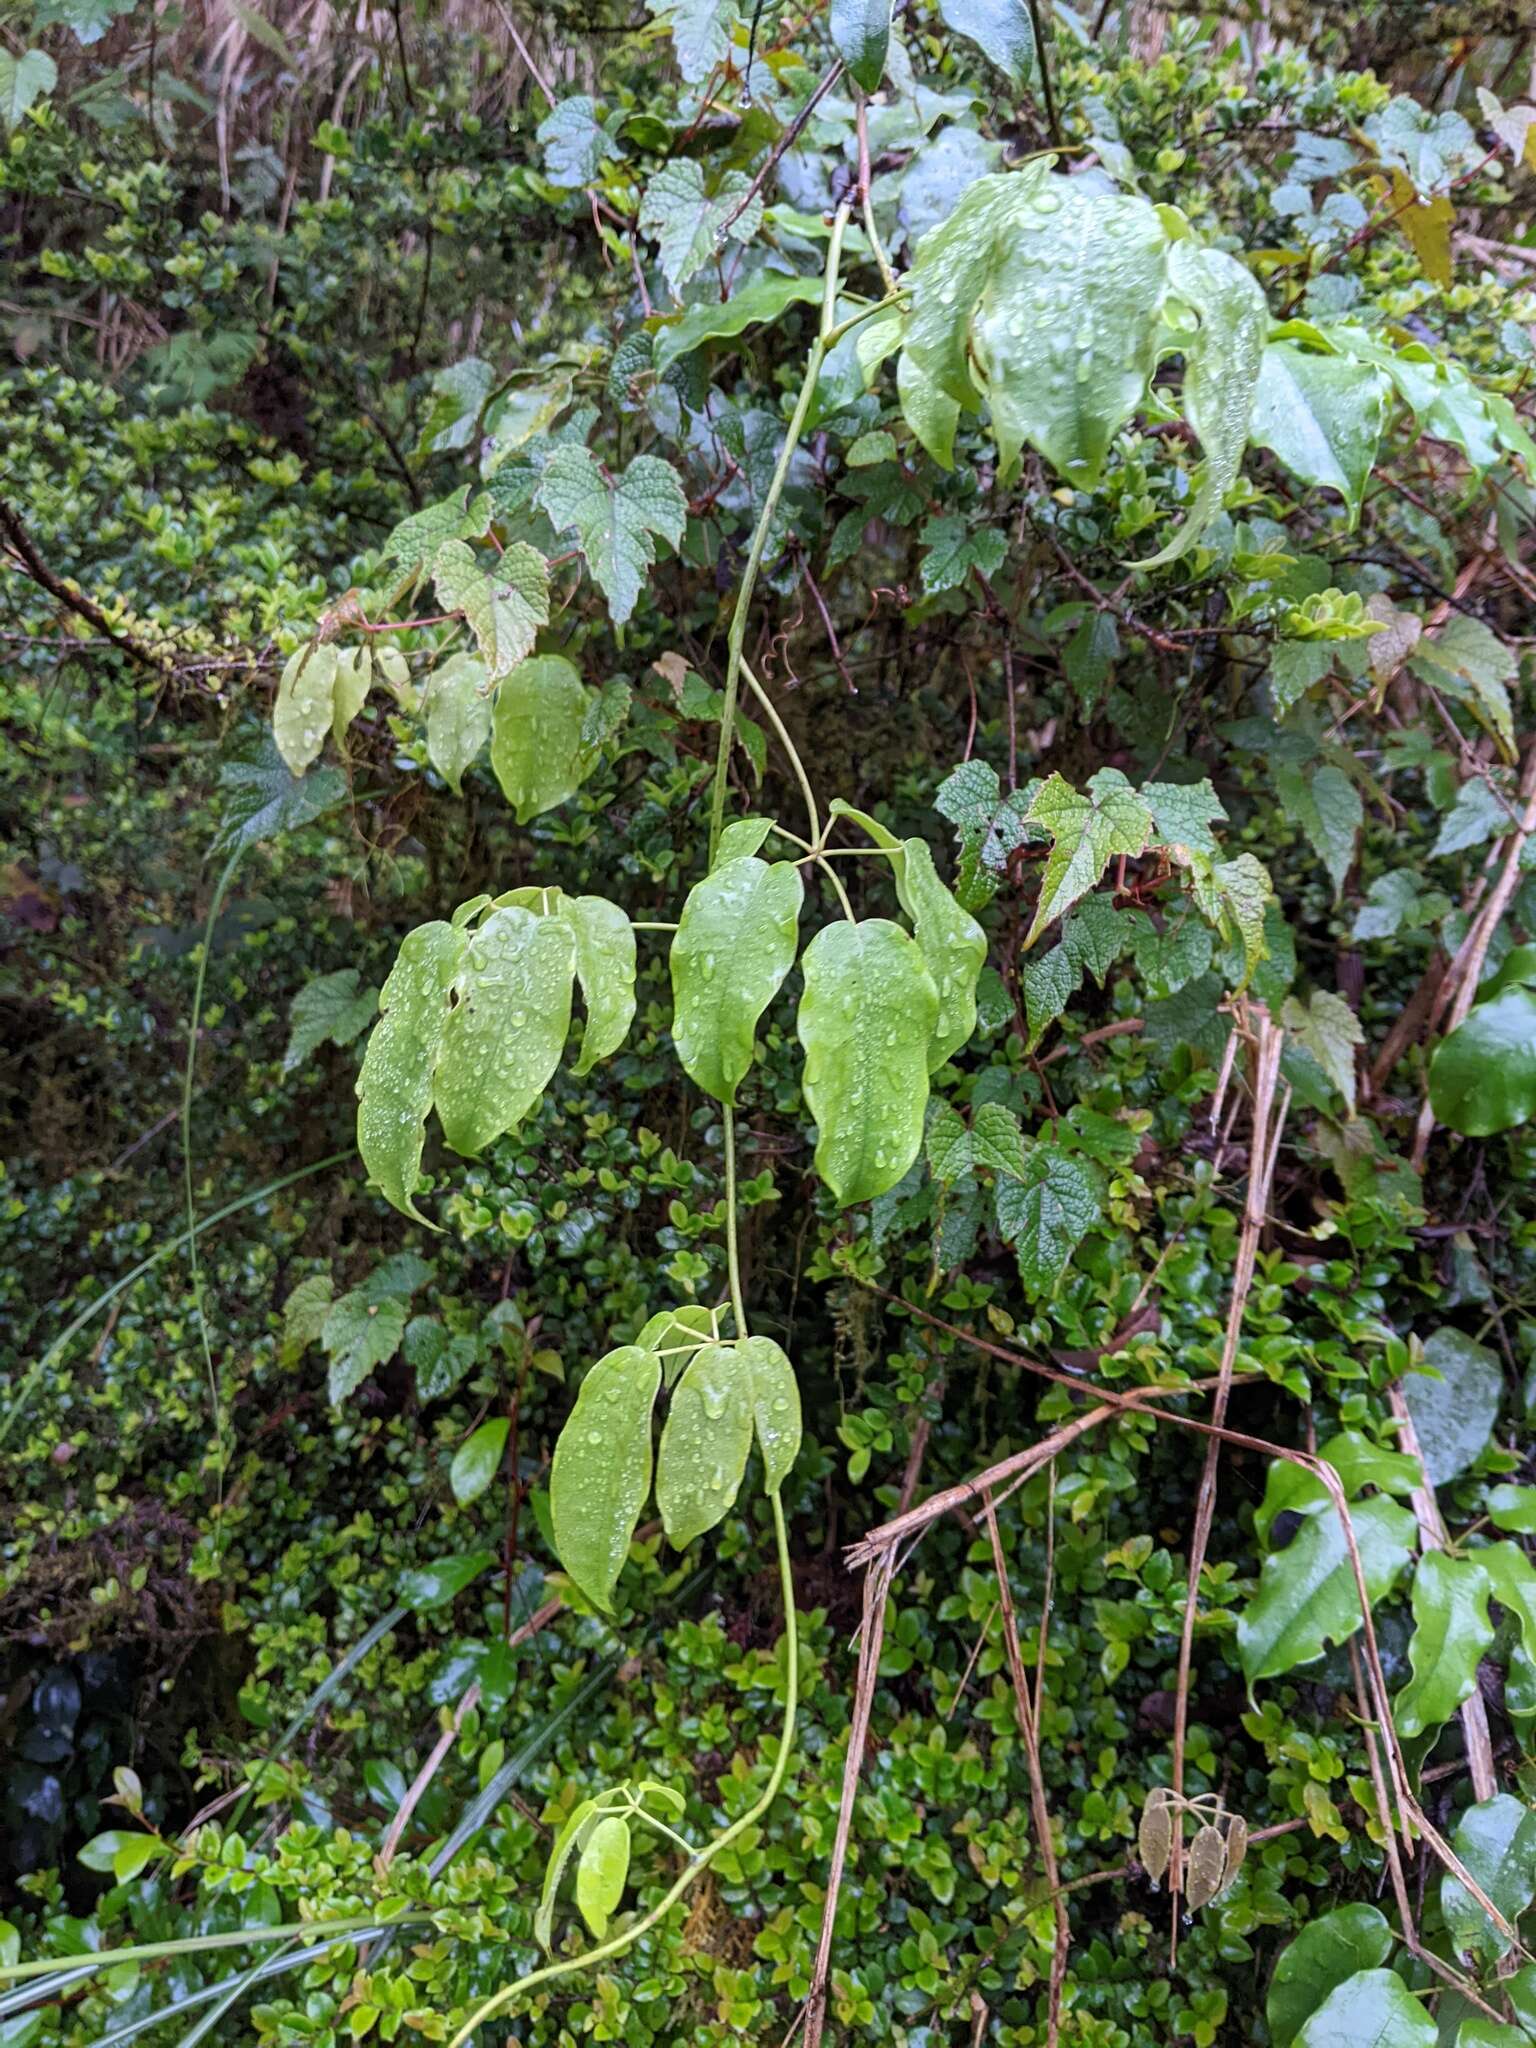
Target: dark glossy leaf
point(1482, 1077)
point(1307, 1596)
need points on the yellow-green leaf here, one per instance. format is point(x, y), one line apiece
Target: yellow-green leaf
point(507, 1029)
point(602, 1469)
point(394, 1089)
point(734, 945)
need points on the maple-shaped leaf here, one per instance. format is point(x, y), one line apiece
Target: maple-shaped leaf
point(1088, 830)
point(503, 606)
point(415, 541)
point(1328, 1029)
point(955, 549)
point(1184, 813)
point(701, 32)
point(614, 517)
point(688, 224)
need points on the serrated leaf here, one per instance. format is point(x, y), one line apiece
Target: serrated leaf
point(1329, 1029)
point(601, 1472)
point(605, 968)
point(1046, 1214)
point(1496, 1840)
point(1306, 1597)
point(614, 519)
point(775, 1406)
point(23, 81)
point(704, 1443)
point(1049, 984)
point(331, 1009)
point(1235, 895)
point(1372, 2009)
point(1326, 805)
point(359, 1335)
point(415, 542)
point(861, 35)
point(867, 1018)
point(263, 798)
point(478, 1459)
point(955, 548)
point(458, 716)
point(997, 1139)
point(689, 224)
point(602, 1872)
point(701, 31)
point(507, 1028)
point(1451, 1631)
point(1183, 814)
point(574, 142)
point(1001, 29)
point(948, 1145)
point(1467, 660)
point(1296, 666)
point(394, 1089)
point(735, 943)
point(1323, 416)
point(1087, 832)
point(301, 715)
point(503, 606)
point(538, 749)
point(1326, 1953)
point(305, 1311)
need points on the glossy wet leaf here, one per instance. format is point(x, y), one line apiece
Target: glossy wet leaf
point(951, 942)
point(740, 839)
point(861, 35)
point(1307, 1598)
point(1482, 1076)
point(1001, 29)
point(1496, 1841)
point(1513, 1507)
point(765, 297)
point(1373, 2009)
point(734, 944)
point(349, 692)
point(476, 1461)
point(507, 1029)
point(601, 1472)
point(867, 1018)
point(1451, 1632)
point(458, 716)
point(301, 715)
point(602, 1871)
point(1359, 1462)
point(775, 1406)
point(394, 1089)
point(1323, 416)
point(704, 1443)
point(434, 1585)
point(605, 968)
point(1455, 1406)
point(537, 747)
point(504, 602)
point(262, 798)
point(1087, 831)
point(616, 520)
point(1325, 1954)
point(414, 543)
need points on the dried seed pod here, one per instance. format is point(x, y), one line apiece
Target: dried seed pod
point(1237, 1849)
point(1154, 1838)
point(1207, 1868)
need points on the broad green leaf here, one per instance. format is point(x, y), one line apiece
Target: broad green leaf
point(121, 1854)
point(1296, 666)
point(434, 1585)
point(1497, 1843)
point(458, 394)
point(1307, 1597)
point(574, 142)
point(331, 1009)
point(1329, 1029)
point(951, 942)
point(764, 298)
point(1513, 1507)
point(861, 35)
point(955, 548)
point(1372, 2009)
point(927, 409)
point(1001, 29)
point(394, 1089)
point(688, 223)
point(507, 1029)
point(775, 1406)
point(680, 1332)
point(1325, 1954)
point(263, 798)
point(520, 412)
point(458, 716)
point(1323, 416)
point(867, 1019)
point(1291, 1488)
point(503, 606)
point(578, 1824)
point(354, 679)
point(735, 943)
point(1045, 1215)
point(615, 518)
point(301, 716)
point(997, 1139)
point(601, 1472)
point(1479, 2033)
point(1326, 805)
point(23, 80)
point(1467, 660)
point(1221, 370)
point(605, 967)
point(537, 723)
point(701, 32)
point(740, 839)
point(1451, 1630)
point(948, 1145)
point(415, 542)
point(951, 269)
point(1482, 1075)
point(1087, 831)
point(602, 1872)
point(477, 1460)
point(1455, 1405)
point(704, 1443)
point(1512, 1577)
point(359, 1335)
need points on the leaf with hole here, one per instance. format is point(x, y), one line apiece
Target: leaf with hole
point(1307, 1598)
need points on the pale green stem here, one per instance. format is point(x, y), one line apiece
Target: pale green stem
point(736, 640)
point(619, 1943)
point(637, 924)
point(198, 1944)
point(732, 1254)
point(771, 713)
point(838, 890)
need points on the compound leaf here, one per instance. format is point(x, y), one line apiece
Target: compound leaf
point(605, 967)
point(775, 1406)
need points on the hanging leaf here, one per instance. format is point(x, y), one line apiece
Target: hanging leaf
point(1373, 2007)
point(302, 714)
point(927, 409)
point(537, 735)
point(458, 716)
point(1307, 1596)
point(861, 35)
point(349, 693)
point(704, 1443)
point(763, 298)
point(605, 968)
point(867, 1018)
point(1237, 1850)
point(394, 1089)
point(1326, 805)
point(503, 607)
point(1455, 1404)
point(504, 1036)
point(1496, 1841)
point(701, 33)
point(601, 1472)
point(1001, 29)
point(1087, 832)
point(1323, 416)
point(477, 1460)
point(1329, 1029)
point(775, 1406)
point(1451, 1631)
point(1325, 1954)
point(579, 1823)
point(1207, 1866)
point(602, 1872)
point(614, 519)
point(690, 224)
point(1482, 1075)
point(735, 943)
point(1154, 1835)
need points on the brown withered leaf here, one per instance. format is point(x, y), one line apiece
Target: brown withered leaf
point(1237, 1849)
point(1154, 1837)
point(1206, 1868)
